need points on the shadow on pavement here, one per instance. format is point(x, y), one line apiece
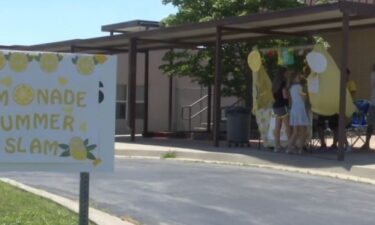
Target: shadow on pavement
point(199, 148)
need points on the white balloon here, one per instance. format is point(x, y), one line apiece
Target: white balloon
point(317, 62)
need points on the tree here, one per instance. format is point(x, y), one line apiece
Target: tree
point(199, 65)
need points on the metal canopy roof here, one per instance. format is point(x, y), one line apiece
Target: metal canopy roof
point(131, 26)
point(304, 21)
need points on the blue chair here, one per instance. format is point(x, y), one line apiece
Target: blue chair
point(358, 125)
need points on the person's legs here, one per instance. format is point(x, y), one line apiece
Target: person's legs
point(292, 139)
point(321, 137)
point(277, 134)
point(334, 125)
point(320, 128)
point(335, 132)
point(370, 127)
point(334, 122)
point(369, 130)
point(302, 137)
point(287, 126)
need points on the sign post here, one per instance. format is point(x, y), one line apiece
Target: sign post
point(84, 187)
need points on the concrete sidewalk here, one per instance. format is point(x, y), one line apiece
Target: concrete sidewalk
point(358, 166)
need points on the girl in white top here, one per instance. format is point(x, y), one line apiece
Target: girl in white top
point(299, 118)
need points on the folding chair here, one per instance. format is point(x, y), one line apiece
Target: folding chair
point(358, 125)
point(315, 142)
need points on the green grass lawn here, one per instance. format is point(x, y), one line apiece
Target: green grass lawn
point(18, 207)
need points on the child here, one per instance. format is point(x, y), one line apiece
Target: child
point(280, 106)
point(299, 118)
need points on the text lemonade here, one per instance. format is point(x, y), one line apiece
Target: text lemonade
point(33, 121)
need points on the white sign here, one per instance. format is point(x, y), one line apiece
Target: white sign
point(57, 111)
point(313, 84)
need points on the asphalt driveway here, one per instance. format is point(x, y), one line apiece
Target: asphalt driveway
point(163, 192)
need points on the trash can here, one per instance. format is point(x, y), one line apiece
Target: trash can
point(237, 126)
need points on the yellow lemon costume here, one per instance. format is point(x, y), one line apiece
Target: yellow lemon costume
point(262, 95)
point(324, 85)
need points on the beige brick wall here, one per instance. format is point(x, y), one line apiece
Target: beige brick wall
point(361, 56)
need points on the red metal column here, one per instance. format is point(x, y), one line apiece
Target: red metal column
point(344, 66)
point(132, 82)
point(217, 87)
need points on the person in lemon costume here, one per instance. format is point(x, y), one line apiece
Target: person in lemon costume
point(262, 97)
point(324, 86)
point(325, 97)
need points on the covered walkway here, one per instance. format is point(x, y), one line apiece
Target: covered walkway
point(298, 22)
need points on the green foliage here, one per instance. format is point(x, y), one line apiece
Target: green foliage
point(21, 208)
point(169, 155)
point(199, 64)
point(191, 11)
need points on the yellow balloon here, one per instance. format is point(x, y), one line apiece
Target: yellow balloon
point(325, 95)
point(254, 60)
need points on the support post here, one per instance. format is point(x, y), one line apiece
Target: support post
point(209, 97)
point(217, 87)
point(84, 186)
point(145, 119)
point(132, 82)
point(343, 80)
point(170, 98)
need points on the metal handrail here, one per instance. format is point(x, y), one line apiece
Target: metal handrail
point(196, 102)
point(189, 107)
point(198, 113)
point(202, 110)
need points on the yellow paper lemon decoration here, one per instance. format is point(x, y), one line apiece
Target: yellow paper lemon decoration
point(83, 127)
point(2, 61)
point(100, 58)
point(49, 62)
point(254, 60)
point(68, 109)
point(77, 148)
point(97, 161)
point(62, 81)
point(6, 81)
point(18, 62)
point(23, 94)
point(85, 65)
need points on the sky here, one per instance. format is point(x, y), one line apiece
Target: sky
point(27, 22)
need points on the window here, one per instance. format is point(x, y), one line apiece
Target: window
point(121, 110)
point(139, 110)
point(121, 97)
point(121, 102)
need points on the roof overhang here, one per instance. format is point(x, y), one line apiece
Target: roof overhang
point(131, 26)
point(296, 22)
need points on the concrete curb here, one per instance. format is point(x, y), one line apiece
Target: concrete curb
point(96, 216)
point(313, 172)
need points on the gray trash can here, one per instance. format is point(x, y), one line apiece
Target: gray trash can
point(237, 126)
